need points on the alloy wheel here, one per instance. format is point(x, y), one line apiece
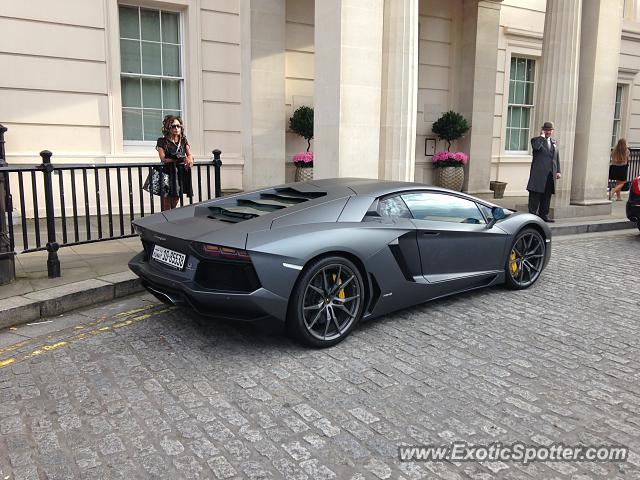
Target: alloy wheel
point(526, 259)
point(331, 301)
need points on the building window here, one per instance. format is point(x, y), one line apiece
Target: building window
point(521, 78)
point(151, 70)
point(617, 116)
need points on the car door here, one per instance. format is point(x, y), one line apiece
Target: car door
point(455, 242)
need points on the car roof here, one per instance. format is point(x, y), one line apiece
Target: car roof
point(362, 186)
point(372, 187)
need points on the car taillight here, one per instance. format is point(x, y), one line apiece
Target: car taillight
point(635, 186)
point(218, 251)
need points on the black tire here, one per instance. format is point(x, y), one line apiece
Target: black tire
point(321, 312)
point(525, 259)
point(638, 225)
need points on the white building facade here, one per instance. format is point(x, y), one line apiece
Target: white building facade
point(92, 79)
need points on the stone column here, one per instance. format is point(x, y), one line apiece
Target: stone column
point(557, 88)
point(399, 90)
point(631, 10)
point(477, 91)
point(599, 61)
point(348, 76)
point(263, 92)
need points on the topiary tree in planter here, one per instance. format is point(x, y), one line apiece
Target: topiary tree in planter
point(450, 126)
point(302, 123)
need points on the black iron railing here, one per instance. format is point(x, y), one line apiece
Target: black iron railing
point(86, 203)
point(7, 254)
point(634, 163)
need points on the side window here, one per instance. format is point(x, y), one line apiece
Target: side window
point(393, 207)
point(487, 211)
point(442, 207)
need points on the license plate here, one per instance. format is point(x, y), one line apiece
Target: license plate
point(168, 257)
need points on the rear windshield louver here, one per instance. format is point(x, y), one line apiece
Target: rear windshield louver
point(256, 204)
point(233, 214)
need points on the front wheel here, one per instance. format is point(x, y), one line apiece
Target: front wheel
point(526, 259)
point(327, 302)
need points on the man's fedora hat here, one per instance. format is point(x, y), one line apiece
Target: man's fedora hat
point(547, 126)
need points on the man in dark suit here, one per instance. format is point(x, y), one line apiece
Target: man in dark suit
point(545, 170)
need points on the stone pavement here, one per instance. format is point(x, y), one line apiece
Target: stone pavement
point(98, 271)
point(132, 389)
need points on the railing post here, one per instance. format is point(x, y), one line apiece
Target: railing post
point(217, 164)
point(53, 263)
point(634, 163)
point(7, 255)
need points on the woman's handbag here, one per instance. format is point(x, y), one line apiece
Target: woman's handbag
point(157, 182)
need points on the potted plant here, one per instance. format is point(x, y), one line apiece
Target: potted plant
point(304, 166)
point(497, 188)
point(301, 123)
point(449, 172)
point(448, 169)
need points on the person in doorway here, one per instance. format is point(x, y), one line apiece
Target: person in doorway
point(175, 153)
point(618, 168)
point(545, 170)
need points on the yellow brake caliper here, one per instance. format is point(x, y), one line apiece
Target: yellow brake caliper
point(341, 292)
point(513, 264)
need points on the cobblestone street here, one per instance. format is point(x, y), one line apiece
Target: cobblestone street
point(135, 389)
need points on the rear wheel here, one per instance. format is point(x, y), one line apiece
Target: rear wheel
point(526, 259)
point(327, 302)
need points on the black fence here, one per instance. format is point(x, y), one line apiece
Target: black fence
point(634, 163)
point(85, 203)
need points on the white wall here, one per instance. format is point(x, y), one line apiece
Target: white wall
point(299, 70)
point(436, 57)
point(221, 85)
point(628, 75)
point(521, 29)
point(54, 83)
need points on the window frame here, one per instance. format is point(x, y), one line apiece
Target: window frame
point(530, 107)
point(617, 121)
point(145, 144)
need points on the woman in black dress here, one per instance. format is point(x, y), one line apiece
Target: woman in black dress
point(175, 153)
point(618, 168)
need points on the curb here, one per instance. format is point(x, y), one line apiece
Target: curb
point(57, 300)
point(594, 226)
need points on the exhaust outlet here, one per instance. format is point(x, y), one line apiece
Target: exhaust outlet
point(165, 297)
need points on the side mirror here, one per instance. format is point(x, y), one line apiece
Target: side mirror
point(497, 213)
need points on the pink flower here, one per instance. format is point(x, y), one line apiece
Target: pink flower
point(449, 159)
point(303, 159)
point(461, 157)
point(440, 156)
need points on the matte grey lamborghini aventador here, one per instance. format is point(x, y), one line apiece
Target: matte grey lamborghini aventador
point(323, 255)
